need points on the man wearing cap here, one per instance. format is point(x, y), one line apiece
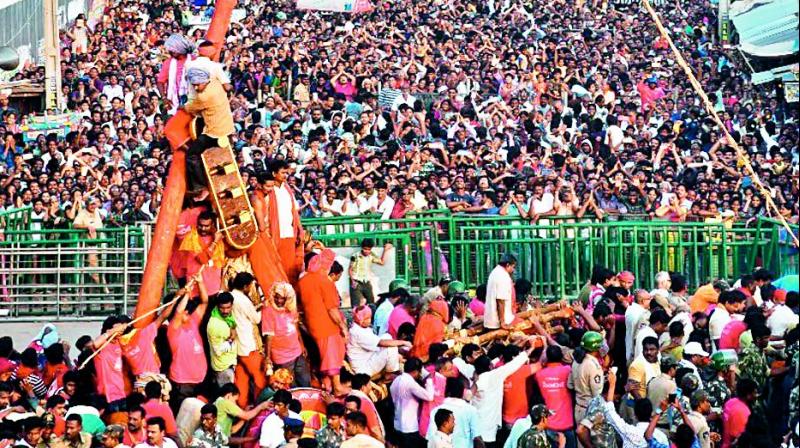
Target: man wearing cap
point(660, 387)
point(292, 430)
point(718, 387)
point(536, 437)
point(694, 357)
point(500, 294)
point(701, 407)
point(386, 303)
point(112, 437)
point(586, 377)
point(210, 103)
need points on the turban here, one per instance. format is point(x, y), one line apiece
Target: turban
point(282, 377)
point(626, 276)
point(284, 290)
point(197, 76)
point(362, 314)
point(177, 43)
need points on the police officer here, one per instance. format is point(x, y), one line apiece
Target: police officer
point(586, 377)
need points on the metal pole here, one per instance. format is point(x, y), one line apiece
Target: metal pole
point(52, 57)
point(125, 273)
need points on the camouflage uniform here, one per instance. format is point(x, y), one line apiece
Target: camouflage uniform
point(533, 438)
point(753, 365)
point(718, 394)
point(601, 432)
point(794, 405)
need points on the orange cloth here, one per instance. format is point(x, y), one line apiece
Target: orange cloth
point(318, 294)
point(430, 329)
point(702, 298)
point(249, 367)
point(266, 263)
point(290, 261)
point(289, 250)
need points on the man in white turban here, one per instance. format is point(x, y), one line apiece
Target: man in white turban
point(210, 103)
point(171, 80)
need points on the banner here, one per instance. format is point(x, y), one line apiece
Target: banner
point(350, 6)
point(791, 91)
point(381, 275)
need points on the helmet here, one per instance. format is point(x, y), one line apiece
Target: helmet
point(456, 287)
point(592, 341)
point(723, 359)
point(397, 284)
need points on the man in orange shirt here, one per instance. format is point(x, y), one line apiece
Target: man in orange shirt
point(325, 323)
point(706, 295)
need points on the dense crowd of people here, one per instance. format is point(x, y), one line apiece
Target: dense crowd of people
point(530, 110)
point(660, 368)
point(565, 109)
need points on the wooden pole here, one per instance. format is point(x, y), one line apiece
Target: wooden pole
point(741, 154)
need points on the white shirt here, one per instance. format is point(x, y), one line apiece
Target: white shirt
point(543, 205)
point(406, 396)
point(362, 441)
point(247, 321)
point(632, 435)
point(466, 417)
point(361, 345)
point(519, 428)
point(498, 286)
point(168, 443)
point(440, 440)
point(113, 91)
point(488, 400)
point(781, 319)
point(614, 136)
point(719, 318)
point(632, 316)
point(272, 431)
point(465, 368)
point(285, 203)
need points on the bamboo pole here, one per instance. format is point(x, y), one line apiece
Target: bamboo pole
point(698, 88)
point(186, 290)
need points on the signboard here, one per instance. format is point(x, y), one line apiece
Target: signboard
point(350, 6)
point(59, 124)
point(381, 275)
point(724, 22)
point(791, 91)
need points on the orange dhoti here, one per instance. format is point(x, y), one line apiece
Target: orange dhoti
point(291, 258)
point(249, 367)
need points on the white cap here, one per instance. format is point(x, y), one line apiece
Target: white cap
point(694, 348)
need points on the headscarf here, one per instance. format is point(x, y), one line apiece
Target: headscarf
point(197, 75)
point(285, 290)
point(178, 43)
point(47, 336)
point(322, 262)
point(440, 308)
point(362, 314)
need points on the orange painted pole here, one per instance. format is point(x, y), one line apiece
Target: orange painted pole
point(177, 132)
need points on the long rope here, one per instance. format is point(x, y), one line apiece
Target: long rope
point(741, 155)
point(187, 289)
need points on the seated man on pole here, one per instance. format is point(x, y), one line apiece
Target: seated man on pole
point(210, 103)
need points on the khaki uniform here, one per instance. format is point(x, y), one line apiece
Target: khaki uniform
point(658, 390)
point(701, 428)
point(586, 379)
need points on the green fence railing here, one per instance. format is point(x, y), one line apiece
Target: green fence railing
point(557, 255)
point(15, 218)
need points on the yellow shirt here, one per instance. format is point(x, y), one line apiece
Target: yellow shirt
point(212, 104)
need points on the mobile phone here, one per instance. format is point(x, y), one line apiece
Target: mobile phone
point(672, 398)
